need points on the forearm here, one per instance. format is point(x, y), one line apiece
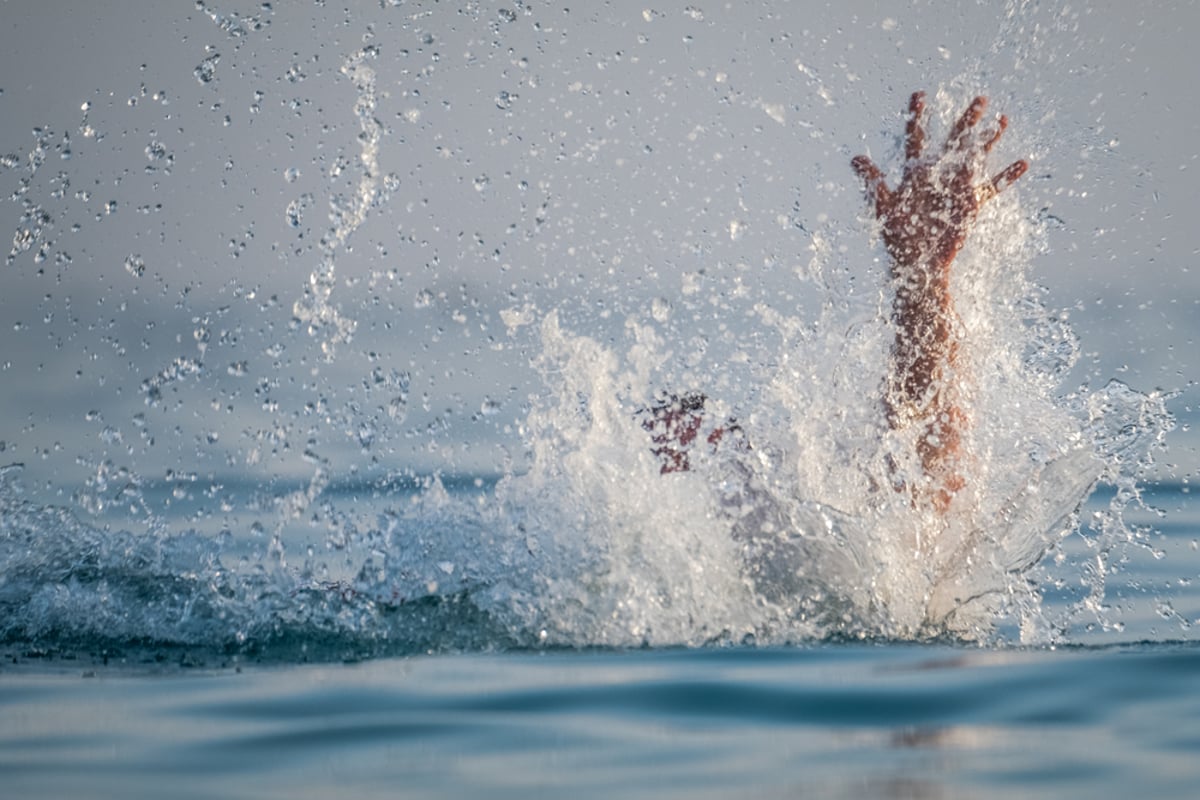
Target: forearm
point(926, 339)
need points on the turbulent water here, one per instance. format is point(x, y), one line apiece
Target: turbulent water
point(797, 536)
point(580, 541)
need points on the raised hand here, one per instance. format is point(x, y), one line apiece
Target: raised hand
point(926, 218)
point(925, 222)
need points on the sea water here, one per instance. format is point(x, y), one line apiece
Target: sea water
point(1110, 718)
point(276, 565)
point(845, 721)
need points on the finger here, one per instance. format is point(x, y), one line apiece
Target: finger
point(990, 143)
point(914, 140)
point(872, 176)
point(1010, 174)
point(866, 169)
point(968, 120)
point(1003, 180)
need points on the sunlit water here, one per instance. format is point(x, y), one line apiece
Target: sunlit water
point(566, 616)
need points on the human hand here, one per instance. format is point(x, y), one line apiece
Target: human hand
point(926, 219)
point(676, 423)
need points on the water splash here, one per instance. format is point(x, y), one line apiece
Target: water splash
point(316, 309)
point(797, 537)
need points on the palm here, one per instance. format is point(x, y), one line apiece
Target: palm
point(926, 219)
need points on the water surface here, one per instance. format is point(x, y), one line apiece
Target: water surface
point(841, 721)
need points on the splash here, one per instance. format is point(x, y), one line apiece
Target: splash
point(799, 535)
point(802, 534)
point(316, 309)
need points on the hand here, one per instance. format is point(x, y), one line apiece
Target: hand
point(926, 219)
point(675, 424)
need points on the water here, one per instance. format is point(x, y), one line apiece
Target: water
point(327, 466)
point(310, 708)
point(830, 721)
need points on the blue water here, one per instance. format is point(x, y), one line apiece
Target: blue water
point(824, 721)
point(1115, 714)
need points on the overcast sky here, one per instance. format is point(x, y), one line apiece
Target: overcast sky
point(172, 169)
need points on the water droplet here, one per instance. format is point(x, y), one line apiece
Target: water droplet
point(424, 299)
point(155, 151)
point(398, 408)
point(135, 265)
point(366, 435)
point(206, 70)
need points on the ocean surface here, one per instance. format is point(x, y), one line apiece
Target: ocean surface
point(832, 720)
point(1115, 713)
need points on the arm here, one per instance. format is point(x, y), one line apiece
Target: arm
point(925, 222)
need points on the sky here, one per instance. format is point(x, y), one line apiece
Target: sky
point(179, 301)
